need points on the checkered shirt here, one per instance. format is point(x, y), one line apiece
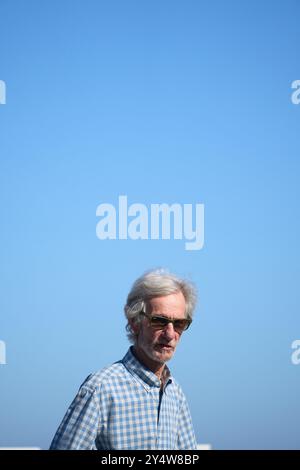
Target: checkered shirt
point(123, 407)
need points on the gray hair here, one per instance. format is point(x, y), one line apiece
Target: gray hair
point(156, 283)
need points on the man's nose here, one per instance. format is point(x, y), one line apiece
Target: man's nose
point(169, 331)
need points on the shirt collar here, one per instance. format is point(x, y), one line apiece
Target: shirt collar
point(138, 369)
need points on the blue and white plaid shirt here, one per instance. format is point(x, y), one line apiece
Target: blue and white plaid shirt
point(123, 407)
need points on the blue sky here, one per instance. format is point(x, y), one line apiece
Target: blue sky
point(165, 102)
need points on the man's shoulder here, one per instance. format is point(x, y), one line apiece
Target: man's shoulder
point(106, 375)
point(178, 389)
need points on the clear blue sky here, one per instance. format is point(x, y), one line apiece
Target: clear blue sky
point(163, 101)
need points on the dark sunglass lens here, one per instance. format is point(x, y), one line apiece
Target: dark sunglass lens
point(159, 322)
point(181, 325)
point(162, 322)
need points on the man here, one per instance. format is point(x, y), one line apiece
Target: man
point(136, 403)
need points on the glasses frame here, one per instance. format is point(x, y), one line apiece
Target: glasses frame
point(167, 320)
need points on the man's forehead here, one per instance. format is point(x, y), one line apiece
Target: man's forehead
point(170, 303)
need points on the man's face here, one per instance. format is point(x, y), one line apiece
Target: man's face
point(159, 345)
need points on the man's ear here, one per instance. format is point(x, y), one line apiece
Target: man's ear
point(134, 326)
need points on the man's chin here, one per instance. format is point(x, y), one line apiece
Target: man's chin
point(163, 355)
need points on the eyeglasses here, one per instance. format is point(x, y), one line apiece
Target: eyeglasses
point(159, 323)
